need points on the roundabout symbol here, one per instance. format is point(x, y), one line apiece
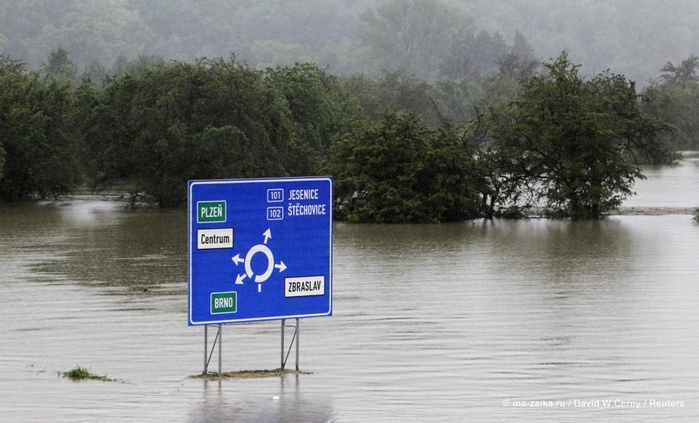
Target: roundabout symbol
point(249, 273)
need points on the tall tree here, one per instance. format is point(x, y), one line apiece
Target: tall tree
point(314, 99)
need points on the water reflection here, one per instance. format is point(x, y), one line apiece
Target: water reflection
point(87, 214)
point(149, 258)
point(286, 404)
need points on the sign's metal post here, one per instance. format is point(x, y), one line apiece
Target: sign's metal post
point(208, 354)
point(283, 362)
point(297, 343)
point(206, 348)
point(220, 348)
point(294, 340)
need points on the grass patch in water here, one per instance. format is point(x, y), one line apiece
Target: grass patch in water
point(80, 373)
point(250, 374)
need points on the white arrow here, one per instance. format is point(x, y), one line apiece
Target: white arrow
point(239, 279)
point(268, 235)
point(281, 266)
point(237, 260)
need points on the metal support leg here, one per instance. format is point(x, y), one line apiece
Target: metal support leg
point(294, 339)
point(207, 354)
point(283, 362)
point(220, 348)
point(206, 348)
point(297, 343)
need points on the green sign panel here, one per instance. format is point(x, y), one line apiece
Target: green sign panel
point(211, 211)
point(224, 302)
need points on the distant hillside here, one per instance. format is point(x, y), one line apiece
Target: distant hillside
point(632, 37)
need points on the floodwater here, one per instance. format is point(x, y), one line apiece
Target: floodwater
point(505, 321)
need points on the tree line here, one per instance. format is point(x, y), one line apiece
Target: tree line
point(401, 149)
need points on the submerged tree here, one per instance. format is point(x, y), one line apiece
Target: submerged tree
point(401, 171)
point(40, 156)
point(575, 138)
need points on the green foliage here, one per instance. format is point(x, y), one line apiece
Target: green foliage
point(454, 101)
point(393, 91)
point(204, 120)
point(158, 128)
point(696, 215)
point(80, 373)
point(568, 142)
point(572, 137)
point(39, 154)
point(400, 171)
point(514, 67)
point(315, 100)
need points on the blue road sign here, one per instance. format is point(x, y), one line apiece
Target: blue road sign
point(260, 249)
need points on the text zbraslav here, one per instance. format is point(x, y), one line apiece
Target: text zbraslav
point(306, 286)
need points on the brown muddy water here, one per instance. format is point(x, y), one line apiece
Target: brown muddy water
point(526, 321)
